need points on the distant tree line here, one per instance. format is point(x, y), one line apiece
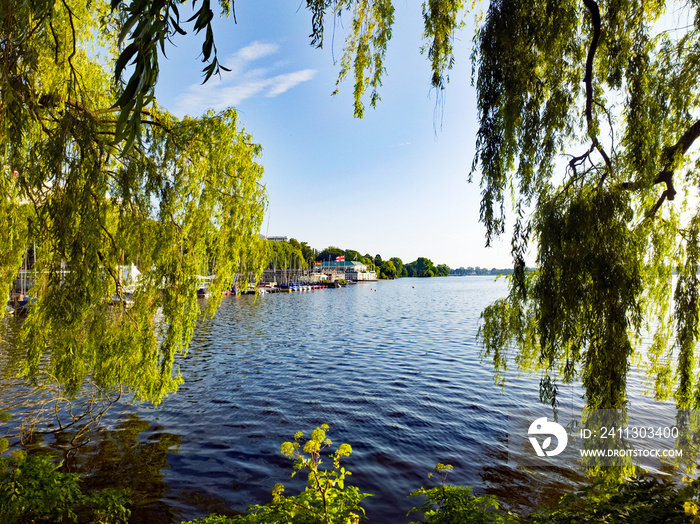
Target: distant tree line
point(296, 254)
point(470, 271)
point(423, 267)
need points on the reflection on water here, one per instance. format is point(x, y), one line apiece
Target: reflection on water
point(132, 455)
point(395, 372)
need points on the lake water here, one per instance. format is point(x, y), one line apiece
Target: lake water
point(392, 367)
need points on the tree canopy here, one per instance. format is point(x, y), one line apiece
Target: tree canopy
point(284, 255)
point(181, 198)
point(588, 112)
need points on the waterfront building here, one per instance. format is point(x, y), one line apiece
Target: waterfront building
point(349, 270)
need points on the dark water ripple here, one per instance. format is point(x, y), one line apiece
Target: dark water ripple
point(392, 367)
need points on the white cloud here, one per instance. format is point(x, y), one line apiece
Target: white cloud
point(243, 82)
point(238, 60)
point(257, 50)
point(282, 83)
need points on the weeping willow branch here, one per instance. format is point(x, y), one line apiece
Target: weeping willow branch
point(672, 153)
point(592, 7)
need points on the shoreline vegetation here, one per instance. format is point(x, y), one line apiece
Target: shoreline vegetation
point(330, 498)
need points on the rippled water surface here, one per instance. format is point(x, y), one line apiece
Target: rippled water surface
point(392, 367)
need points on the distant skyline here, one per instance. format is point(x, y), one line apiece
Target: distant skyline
point(393, 183)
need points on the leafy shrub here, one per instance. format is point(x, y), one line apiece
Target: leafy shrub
point(448, 504)
point(33, 490)
point(640, 500)
point(212, 519)
point(327, 499)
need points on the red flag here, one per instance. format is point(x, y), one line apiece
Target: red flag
point(340, 259)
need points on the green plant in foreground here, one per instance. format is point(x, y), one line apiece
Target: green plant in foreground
point(33, 490)
point(641, 500)
point(447, 504)
point(327, 499)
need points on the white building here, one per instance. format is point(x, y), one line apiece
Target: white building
point(350, 270)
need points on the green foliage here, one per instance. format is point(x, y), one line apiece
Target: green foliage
point(424, 267)
point(327, 499)
point(481, 271)
point(599, 161)
point(352, 255)
point(392, 268)
point(441, 19)
point(606, 233)
point(640, 500)
point(308, 252)
point(283, 255)
point(213, 519)
point(148, 26)
point(635, 500)
point(365, 46)
point(388, 269)
point(626, 133)
point(186, 200)
point(585, 298)
point(369, 36)
point(329, 254)
point(33, 490)
point(398, 264)
point(145, 28)
point(442, 270)
point(447, 504)
point(457, 505)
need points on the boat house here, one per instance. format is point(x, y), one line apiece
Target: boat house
point(351, 271)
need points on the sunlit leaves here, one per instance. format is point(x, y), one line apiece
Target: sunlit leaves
point(582, 301)
point(441, 19)
point(365, 46)
point(599, 168)
point(184, 200)
point(529, 71)
point(447, 504)
point(148, 26)
point(327, 498)
point(687, 317)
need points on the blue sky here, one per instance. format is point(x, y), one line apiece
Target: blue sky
point(389, 183)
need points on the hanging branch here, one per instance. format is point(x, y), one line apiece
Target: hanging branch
point(592, 7)
point(666, 176)
point(680, 148)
